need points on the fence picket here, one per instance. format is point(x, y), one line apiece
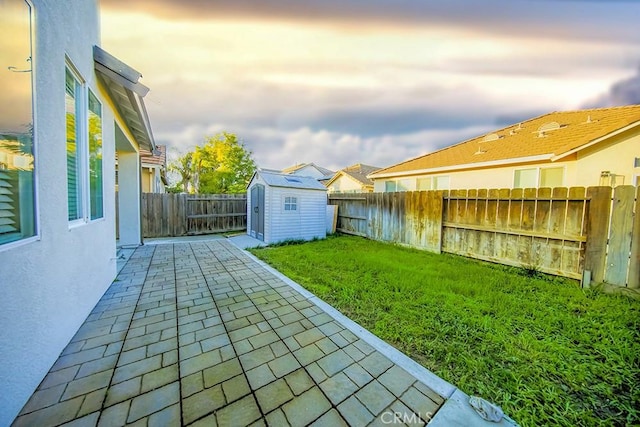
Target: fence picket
point(560, 231)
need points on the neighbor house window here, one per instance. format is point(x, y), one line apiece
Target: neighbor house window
point(525, 178)
point(423, 184)
point(551, 177)
point(538, 177)
point(17, 191)
point(290, 203)
point(390, 186)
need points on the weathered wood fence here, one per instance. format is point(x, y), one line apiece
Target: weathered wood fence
point(165, 215)
point(562, 231)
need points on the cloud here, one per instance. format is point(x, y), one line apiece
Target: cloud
point(334, 150)
point(624, 92)
point(612, 20)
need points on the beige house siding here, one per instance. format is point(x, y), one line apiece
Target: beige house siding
point(498, 177)
point(346, 184)
point(616, 156)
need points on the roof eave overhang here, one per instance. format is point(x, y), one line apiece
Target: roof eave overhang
point(595, 141)
point(503, 162)
point(121, 83)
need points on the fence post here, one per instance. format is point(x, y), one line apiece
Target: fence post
point(597, 231)
point(634, 262)
point(620, 235)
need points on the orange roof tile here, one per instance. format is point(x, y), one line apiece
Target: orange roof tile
point(552, 134)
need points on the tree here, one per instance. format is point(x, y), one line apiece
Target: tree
point(222, 165)
point(184, 167)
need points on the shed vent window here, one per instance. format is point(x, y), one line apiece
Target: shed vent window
point(290, 203)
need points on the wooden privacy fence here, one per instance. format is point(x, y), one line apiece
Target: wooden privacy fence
point(562, 231)
point(166, 215)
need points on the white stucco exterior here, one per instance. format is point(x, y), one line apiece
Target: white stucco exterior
point(52, 281)
point(307, 222)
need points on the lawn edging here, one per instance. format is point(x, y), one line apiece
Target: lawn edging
point(456, 409)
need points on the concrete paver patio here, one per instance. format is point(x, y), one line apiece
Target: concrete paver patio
point(202, 334)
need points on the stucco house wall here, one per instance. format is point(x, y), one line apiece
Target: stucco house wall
point(51, 282)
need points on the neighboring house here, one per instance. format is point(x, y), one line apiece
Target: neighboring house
point(560, 149)
point(352, 179)
point(310, 169)
point(285, 207)
point(68, 107)
point(154, 170)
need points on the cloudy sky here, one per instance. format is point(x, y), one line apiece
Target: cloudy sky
point(338, 82)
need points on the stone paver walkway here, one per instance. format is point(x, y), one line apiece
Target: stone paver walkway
point(200, 334)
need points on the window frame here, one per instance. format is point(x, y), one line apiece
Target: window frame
point(91, 197)
point(292, 204)
point(538, 171)
point(80, 142)
point(34, 141)
point(83, 114)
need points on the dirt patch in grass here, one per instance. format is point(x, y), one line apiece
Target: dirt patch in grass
point(545, 350)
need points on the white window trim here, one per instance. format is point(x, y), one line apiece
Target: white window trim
point(82, 129)
point(538, 170)
point(34, 119)
point(296, 204)
point(88, 156)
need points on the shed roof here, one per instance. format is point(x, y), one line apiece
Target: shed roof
point(549, 137)
point(290, 181)
point(293, 169)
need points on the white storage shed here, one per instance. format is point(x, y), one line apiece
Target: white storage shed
point(285, 207)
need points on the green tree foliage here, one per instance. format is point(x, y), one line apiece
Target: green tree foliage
point(183, 166)
point(222, 165)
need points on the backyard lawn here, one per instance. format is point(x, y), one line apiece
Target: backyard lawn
point(546, 351)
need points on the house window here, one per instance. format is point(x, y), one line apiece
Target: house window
point(84, 151)
point(95, 157)
point(423, 184)
point(290, 203)
point(17, 191)
point(404, 185)
point(390, 186)
point(538, 177)
point(525, 178)
point(551, 177)
point(73, 114)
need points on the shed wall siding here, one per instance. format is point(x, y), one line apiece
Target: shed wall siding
point(307, 222)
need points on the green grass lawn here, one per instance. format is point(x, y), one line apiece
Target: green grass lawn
point(545, 350)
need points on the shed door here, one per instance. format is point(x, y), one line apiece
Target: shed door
point(257, 212)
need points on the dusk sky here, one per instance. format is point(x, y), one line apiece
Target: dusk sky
point(337, 82)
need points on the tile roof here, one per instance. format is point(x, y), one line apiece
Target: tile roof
point(552, 135)
point(147, 158)
point(293, 169)
point(358, 172)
